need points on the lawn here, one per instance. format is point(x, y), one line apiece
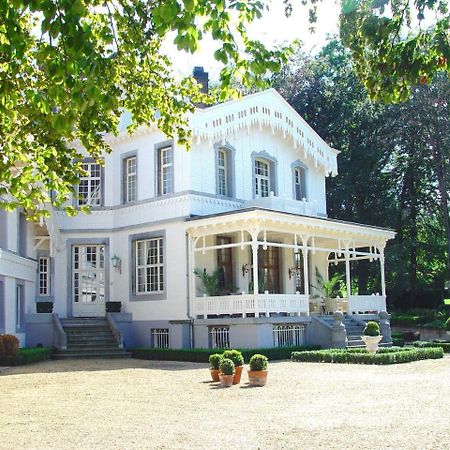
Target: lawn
point(117, 404)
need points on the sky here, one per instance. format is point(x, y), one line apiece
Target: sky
point(272, 29)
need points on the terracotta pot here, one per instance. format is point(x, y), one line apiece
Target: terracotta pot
point(237, 374)
point(257, 377)
point(371, 342)
point(226, 380)
point(214, 374)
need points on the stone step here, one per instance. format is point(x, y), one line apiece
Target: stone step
point(90, 346)
point(83, 355)
point(88, 333)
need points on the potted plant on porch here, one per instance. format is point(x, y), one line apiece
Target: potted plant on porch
point(238, 361)
point(372, 336)
point(257, 375)
point(210, 282)
point(226, 375)
point(214, 360)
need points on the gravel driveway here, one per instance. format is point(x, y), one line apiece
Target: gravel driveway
point(127, 404)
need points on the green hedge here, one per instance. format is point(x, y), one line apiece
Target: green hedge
point(362, 356)
point(426, 344)
point(26, 356)
point(202, 354)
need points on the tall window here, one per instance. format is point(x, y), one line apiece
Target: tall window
point(223, 172)
point(130, 179)
point(262, 178)
point(44, 275)
point(20, 299)
point(224, 263)
point(300, 183)
point(299, 272)
point(165, 170)
point(90, 187)
point(149, 266)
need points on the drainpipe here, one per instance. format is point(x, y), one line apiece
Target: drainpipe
point(188, 288)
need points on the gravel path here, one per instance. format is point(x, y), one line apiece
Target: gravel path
point(132, 404)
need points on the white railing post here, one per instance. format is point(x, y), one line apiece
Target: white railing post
point(348, 280)
point(191, 279)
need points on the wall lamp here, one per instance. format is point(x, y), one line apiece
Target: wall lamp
point(245, 269)
point(116, 263)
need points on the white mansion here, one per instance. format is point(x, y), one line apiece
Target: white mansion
point(245, 206)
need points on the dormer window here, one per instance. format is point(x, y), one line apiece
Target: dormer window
point(300, 183)
point(262, 178)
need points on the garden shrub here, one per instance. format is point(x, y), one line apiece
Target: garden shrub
point(235, 356)
point(26, 356)
point(426, 344)
point(258, 362)
point(9, 345)
point(362, 356)
point(215, 359)
point(226, 366)
point(372, 329)
point(202, 354)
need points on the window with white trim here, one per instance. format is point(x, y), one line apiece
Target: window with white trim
point(222, 172)
point(165, 170)
point(20, 298)
point(130, 181)
point(149, 266)
point(262, 178)
point(44, 275)
point(90, 186)
point(300, 183)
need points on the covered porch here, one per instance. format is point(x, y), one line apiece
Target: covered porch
point(262, 263)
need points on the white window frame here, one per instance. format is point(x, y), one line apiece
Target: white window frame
point(20, 293)
point(165, 170)
point(261, 178)
point(158, 265)
point(222, 172)
point(130, 174)
point(44, 275)
point(300, 183)
point(93, 185)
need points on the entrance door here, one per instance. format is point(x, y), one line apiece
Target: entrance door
point(269, 269)
point(88, 284)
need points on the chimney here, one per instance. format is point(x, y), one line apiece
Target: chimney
point(201, 77)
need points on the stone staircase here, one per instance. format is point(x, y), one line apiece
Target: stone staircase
point(90, 338)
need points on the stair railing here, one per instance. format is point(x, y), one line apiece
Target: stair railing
point(115, 329)
point(59, 333)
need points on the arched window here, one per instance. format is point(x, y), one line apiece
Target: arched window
point(262, 178)
point(299, 180)
point(224, 171)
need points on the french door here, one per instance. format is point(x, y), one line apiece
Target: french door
point(269, 270)
point(88, 282)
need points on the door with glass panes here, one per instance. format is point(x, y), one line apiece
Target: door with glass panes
point(88, 282)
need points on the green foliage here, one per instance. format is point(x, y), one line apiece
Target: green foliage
point(235, 356)
point(361, 356)
point(215, 359)
point(210, 282)
point(329, 288)
point(258, 362)
point(201, 355)
point(70, 68)
point(372, 329)
point(419, 317)
point(26, 356)
point(226, 366)
point(447, 324)
point(442, 344)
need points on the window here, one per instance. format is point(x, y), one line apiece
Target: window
point(44, 275)
point(220, 337)
point(130, 179)
point(90, 187)
point(299, 272)
point(224, 263)
point(22, 235)
point(300, 183)
point(222, 172)
point(165, 171)
point(262, 178)
point(288, 335)
point(160, 337)
point(20, 299)
point(149, 266)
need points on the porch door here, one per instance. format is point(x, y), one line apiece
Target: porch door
point(88, 284)
point(269, 270)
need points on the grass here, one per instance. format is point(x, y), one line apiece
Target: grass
point(422, 318)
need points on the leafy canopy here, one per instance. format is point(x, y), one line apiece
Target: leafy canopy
point(68, 69)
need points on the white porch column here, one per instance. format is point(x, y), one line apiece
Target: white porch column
point(254, 235)
point(305, 269)
point(348, 280)
point(191, 276)
point(383, 281)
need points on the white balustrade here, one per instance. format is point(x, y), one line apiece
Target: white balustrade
point(248, 304)
point(284, 204)
point(366, 304)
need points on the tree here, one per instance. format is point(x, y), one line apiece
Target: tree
point(68, 69)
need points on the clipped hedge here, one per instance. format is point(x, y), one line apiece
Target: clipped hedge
point(26, 356)
point(426, 344)
point(362, 356)
point(202, 354)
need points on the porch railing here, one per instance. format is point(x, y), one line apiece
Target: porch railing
point(364, 304)
point(250, 304)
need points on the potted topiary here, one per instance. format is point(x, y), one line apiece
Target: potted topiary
point(257, 375)
point(214, 360)
point(226, 374)
point(238, 361)
point(372, 336)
